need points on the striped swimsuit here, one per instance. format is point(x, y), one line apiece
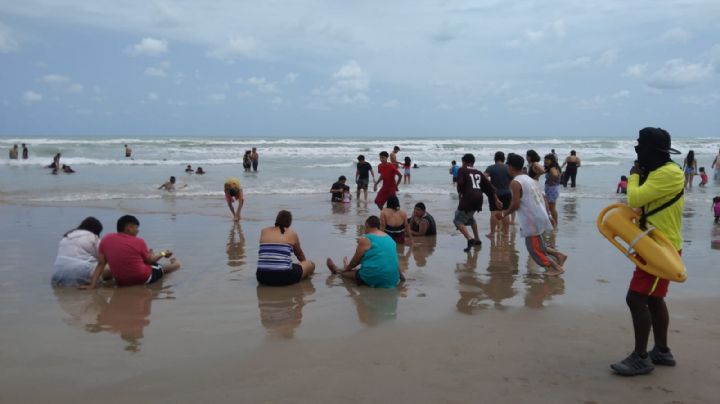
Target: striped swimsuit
point(274, 257)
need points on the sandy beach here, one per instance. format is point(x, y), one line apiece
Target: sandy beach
point(465, 327)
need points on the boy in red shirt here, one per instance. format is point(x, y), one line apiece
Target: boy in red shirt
point(131, 262)
point(387, 173)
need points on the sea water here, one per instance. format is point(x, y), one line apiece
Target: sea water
point(297, 166)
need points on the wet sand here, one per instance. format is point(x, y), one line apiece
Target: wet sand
point(465, 327)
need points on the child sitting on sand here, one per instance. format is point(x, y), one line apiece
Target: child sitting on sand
point(716, 208)
point(703, 177)
point(622, 185)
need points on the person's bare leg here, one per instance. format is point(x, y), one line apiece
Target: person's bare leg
point(332, 267)
point(560, 257)
point(553, 213)
point(308, 268)
point(505, 223)
point(365, 191)
point(475, 231)
point(464, 232)
point(494, 221)
point(173, 266)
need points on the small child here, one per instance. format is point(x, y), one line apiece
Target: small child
point(622, 185)
point(406, 170)
point(716, 208)
point(454, 168)
point(703, 177)
point(347, 196)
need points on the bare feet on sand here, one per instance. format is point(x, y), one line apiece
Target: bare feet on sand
point(561, 259)
point(331, 266)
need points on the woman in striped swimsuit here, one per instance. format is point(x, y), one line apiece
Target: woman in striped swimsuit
point(277, 244)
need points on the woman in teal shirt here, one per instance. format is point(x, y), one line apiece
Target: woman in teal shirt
point(376, 254)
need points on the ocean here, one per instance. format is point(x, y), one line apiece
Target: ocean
point(287, 166)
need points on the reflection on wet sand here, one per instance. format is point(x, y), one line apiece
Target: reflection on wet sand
point(281, 307)
point(122, 311)
point(715, 238)
point(374, 305)
point(477, 290)
point(236, 248)
point(422, 248)
point(538, 287)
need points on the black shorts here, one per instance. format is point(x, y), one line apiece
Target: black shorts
point(280, 278)
point(505, 199)
point(362, 183)
point(157, 273)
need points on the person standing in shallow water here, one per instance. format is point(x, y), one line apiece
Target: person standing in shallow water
point(656, 185)
point(552, 185)
point(362, 176)
point(24, 152)
point(471, 185)
point(573, 163)
point(254, 159)
point(390, 178)
point(689, 168)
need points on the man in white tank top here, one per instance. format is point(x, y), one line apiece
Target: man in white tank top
point(529, 202)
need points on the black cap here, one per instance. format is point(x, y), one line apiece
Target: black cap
point(656, 139)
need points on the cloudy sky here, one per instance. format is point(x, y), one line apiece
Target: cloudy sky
point(359, 68)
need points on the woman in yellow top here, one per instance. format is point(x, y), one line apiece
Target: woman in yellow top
point(233, 189)
point(656, 185)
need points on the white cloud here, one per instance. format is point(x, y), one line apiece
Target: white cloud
point(708, 100)
point(291, 77)
point(621, 94)
point(677, 73)
point(217, 98)
point(235, 48)
point(8, 43)
point(551, 31)
point(152, 96)
point(349, 86)
point(148, 47)
point(606, 59)
point(675, 35)
point(30, 97)
point(534, 98)
point(636, 71)
point(391, 104)
point(55, 79)
point(75, 88)
point(155, 72)
point(261, 84)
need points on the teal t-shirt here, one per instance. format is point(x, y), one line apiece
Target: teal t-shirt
point(380, 264)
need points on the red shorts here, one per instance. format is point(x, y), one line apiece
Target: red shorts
point(383, 194)
point(650, 285)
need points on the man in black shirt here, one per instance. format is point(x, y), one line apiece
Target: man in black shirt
point(500, 179)
point(337, 189)
point(362, 176)
point(471, 185)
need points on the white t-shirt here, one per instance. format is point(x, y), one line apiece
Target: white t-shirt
point(532, 214)
point(76, 258)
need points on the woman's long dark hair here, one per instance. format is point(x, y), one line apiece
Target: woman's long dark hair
point(553, 163)
point(532, 156)
point(90, 224)
point(690, 158)
point(283, 220)
point(393, 203)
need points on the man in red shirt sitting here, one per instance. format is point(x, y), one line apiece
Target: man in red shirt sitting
point(131, 262)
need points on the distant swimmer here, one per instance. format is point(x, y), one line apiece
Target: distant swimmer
point(278, 243)
point(247, 163)
point(13, 154)
point(233, 190)
point(170, 185)
point(24, 152)
point(362, 176)
point(532, 210)
point(56, 162)
point(131, 262)
point(67, 169)
point(407, 168)
point(189, 169)
point(573, 163)
point(199, 171)
point(454, 171)
point(393, 156)
point(128, 151)
point(254, 159)
point(375, 262)
point(622, 185)
point(390, 178)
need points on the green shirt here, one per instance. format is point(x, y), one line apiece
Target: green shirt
point(661, 186)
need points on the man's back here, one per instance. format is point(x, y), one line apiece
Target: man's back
point(500, 178)
point(364, 169)
point(126, 257)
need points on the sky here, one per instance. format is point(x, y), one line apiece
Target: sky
point(399, 68)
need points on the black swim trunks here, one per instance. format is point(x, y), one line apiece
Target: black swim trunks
point(280, 277)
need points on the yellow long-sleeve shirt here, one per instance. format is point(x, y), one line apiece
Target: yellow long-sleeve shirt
point(660, 187)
